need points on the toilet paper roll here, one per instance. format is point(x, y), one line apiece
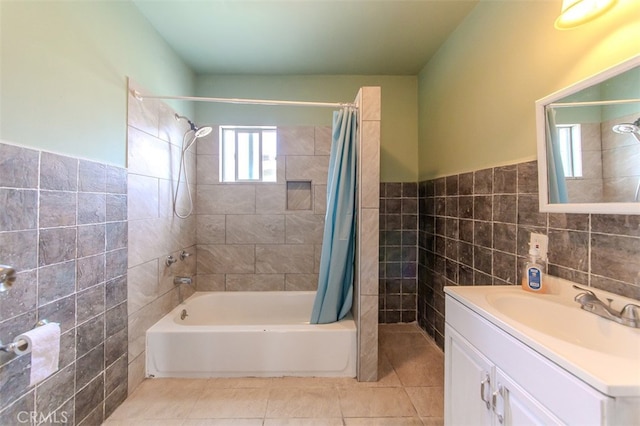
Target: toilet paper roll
point(44, 344)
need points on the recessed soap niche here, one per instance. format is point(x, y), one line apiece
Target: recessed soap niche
point(299, 196)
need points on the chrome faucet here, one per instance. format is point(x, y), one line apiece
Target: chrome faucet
point(629, 315)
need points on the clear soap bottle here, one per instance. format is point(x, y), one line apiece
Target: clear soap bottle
point(534, 271)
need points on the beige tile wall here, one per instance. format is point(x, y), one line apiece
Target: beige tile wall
point(367, 252)
point(263, 236)
point(154, 146)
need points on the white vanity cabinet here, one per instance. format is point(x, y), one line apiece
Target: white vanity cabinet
point(479, 393)
point(492, 378)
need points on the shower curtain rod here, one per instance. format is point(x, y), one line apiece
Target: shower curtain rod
point(592, 103)
point(139, 96)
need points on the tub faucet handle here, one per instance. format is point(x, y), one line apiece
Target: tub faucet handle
point(184, 254)
point(170, 260)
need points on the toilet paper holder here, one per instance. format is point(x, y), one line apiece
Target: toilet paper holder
point(11, 347)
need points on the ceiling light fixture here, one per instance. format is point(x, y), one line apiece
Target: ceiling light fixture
point(577, 12)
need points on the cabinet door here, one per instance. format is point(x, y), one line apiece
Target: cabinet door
point(467, 383)
point(514, 406)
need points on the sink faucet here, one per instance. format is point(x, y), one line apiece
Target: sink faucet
point(629, 315)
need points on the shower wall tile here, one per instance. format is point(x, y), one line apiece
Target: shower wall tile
point(305, 167)
point(284, 258)
point(299, 140)
point(142, 115)
point(226, 259)
point(255, 229)
point(249, 232)
point(61, 277)
point(147, 155)
point(304, 228)
point(226, 199)
point(301, 282)
point(271, 199)
point(370, 186)
point(495, 216)
point(255, 282)
point(211, 229)
point(323, 137)
point(208, 169)
point(151, 234)
point(209, 145)
point(366, 283)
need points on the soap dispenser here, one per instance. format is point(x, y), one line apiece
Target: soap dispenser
point(534, 271)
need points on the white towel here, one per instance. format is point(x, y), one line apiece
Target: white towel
point(44, 344)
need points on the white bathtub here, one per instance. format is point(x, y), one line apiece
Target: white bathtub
point(249, 334)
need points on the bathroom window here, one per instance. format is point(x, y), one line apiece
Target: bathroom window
point(570, 149)
point(248, 154)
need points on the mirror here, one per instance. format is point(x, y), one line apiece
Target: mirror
point(588, 139)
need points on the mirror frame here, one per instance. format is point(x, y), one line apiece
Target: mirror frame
point(543, 188)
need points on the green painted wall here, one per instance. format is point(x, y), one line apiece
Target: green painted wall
point(63, 74)
point(477, 94)
point(399, 127)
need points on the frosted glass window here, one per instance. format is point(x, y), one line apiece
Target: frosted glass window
point(248, 154)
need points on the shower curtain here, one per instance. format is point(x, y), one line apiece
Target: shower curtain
point(335, 281)
point(555, 173)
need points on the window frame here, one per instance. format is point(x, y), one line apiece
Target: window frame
point(240, 130)
point(574, 149)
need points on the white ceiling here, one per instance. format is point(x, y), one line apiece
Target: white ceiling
point(370, 37)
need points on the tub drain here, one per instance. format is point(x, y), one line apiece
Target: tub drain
point(183, 314)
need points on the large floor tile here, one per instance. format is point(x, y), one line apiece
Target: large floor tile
point(409, 392)
point(216, 403)
point(383, 421)
point(222, 422)
point(304, 422)
point(161, 399)
point(429, 401)
point(376, 402)
point(303, 402)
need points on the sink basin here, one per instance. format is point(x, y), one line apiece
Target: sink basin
point(552, 316)
point(598, 351)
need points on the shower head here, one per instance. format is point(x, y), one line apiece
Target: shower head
point(203, 131)
point(633, 128)
point(200, 132)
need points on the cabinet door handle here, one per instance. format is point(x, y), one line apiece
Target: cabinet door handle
point(494, 402)
point(485, 385)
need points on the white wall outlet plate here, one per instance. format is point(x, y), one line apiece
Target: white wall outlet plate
point(543, 243)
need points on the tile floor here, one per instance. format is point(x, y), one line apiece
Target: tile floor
point(409, 392)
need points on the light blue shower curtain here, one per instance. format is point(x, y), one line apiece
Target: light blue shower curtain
point(335, 281)
point(555, 171)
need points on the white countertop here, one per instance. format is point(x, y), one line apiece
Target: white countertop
point(612, 368)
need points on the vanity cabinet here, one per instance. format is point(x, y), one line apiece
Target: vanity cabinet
point(491, 378)
point(480, 393)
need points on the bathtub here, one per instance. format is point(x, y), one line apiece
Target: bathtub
point(249, 334)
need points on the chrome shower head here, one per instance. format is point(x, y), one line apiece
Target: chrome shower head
point(633, 128)
point(200, 132)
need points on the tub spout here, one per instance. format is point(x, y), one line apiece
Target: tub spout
point(181, 280)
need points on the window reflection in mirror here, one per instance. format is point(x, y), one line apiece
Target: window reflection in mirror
point(593, 138)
